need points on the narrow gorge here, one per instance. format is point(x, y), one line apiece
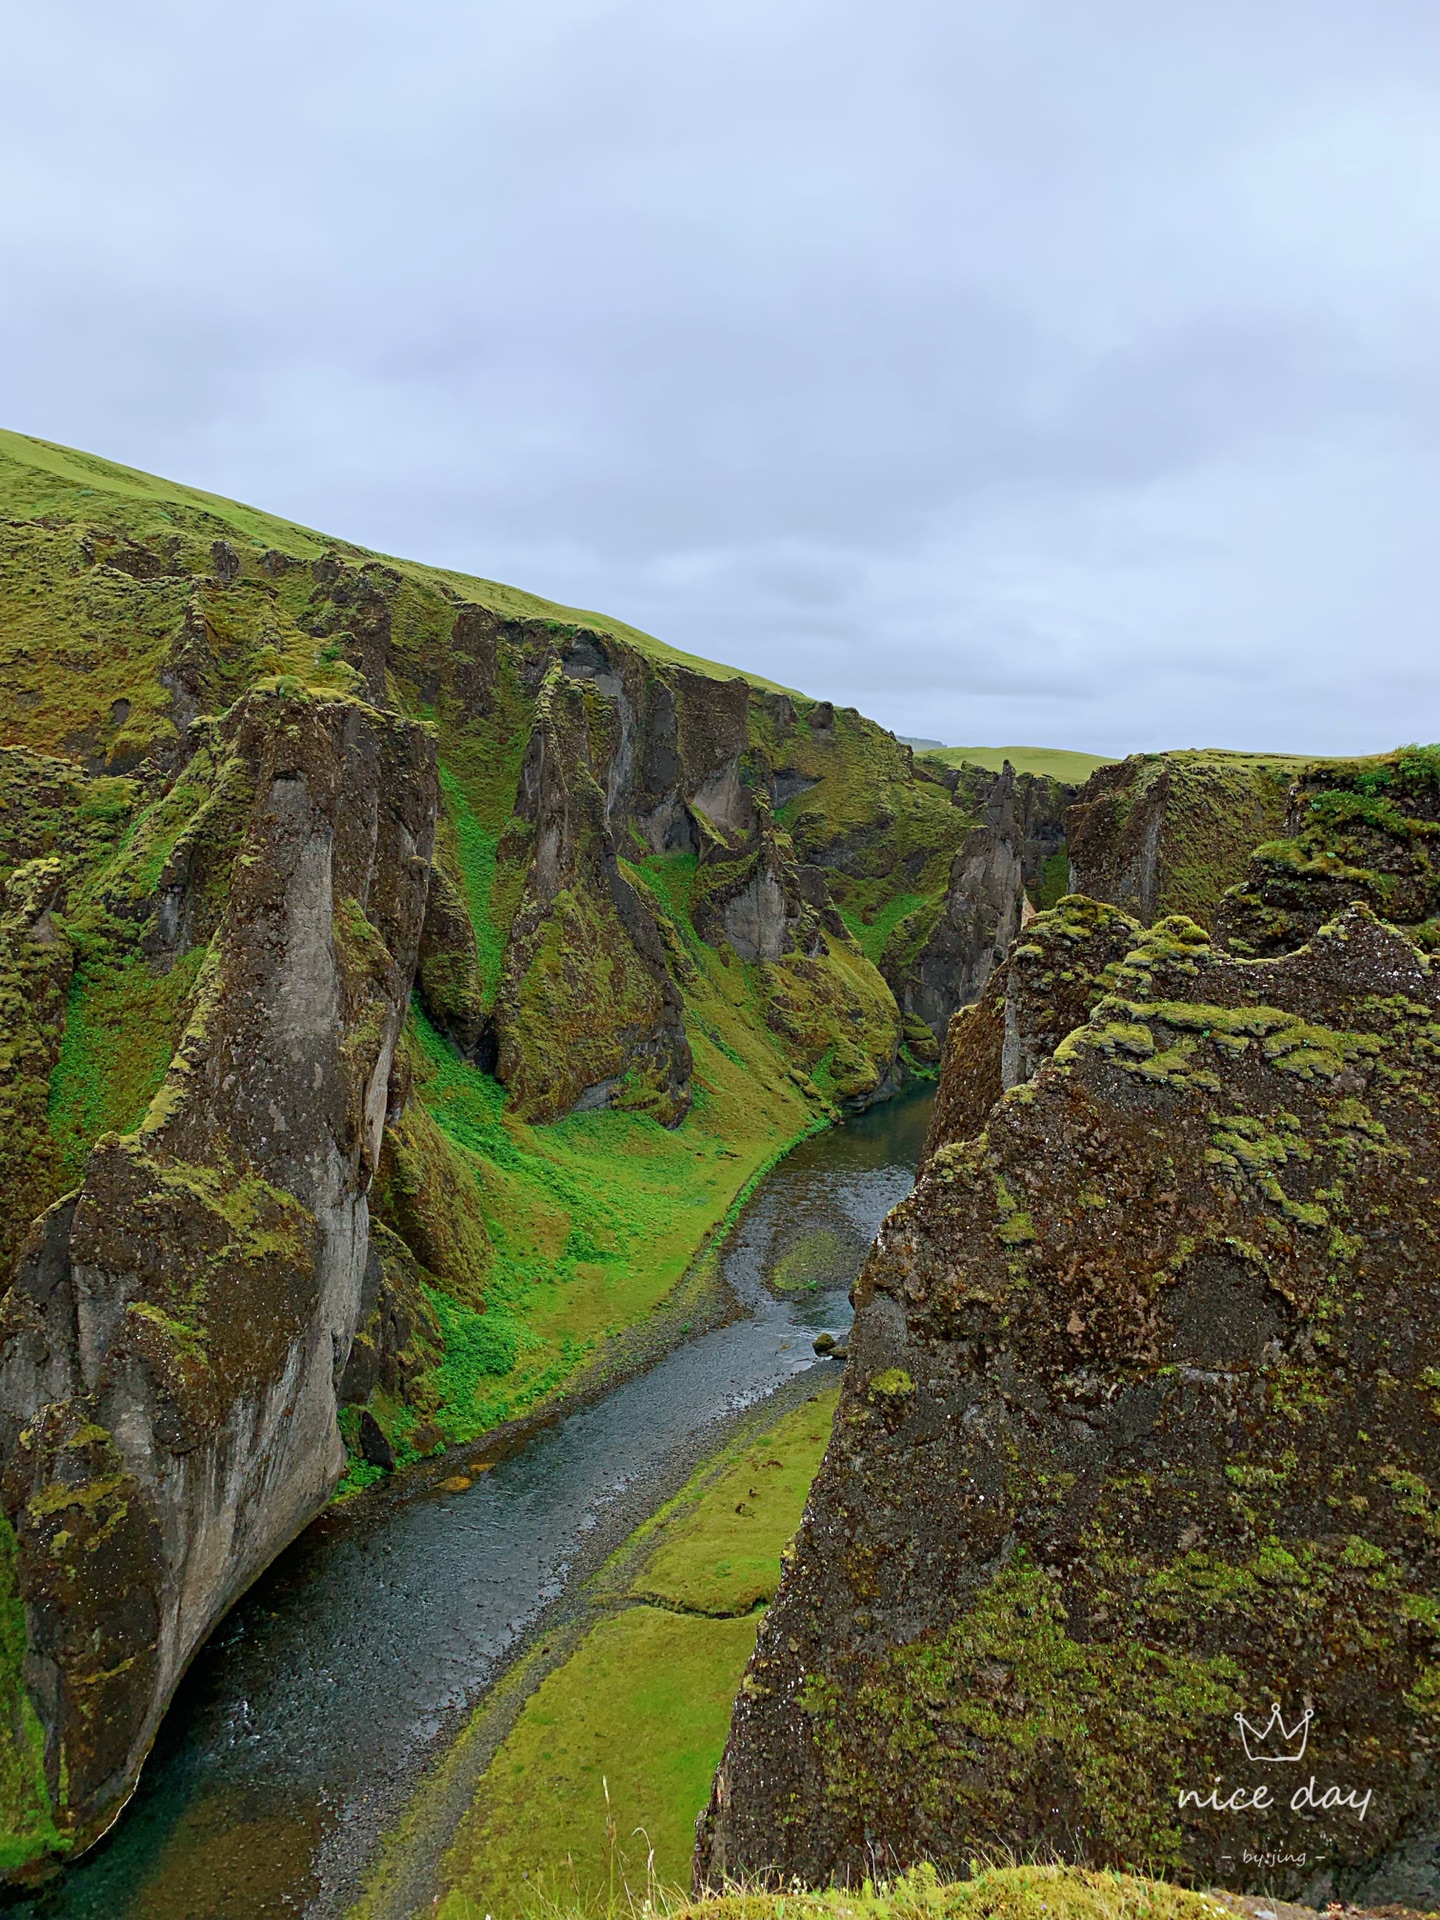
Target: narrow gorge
point(405, 980)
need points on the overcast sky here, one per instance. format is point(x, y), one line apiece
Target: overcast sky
point(1024, 371)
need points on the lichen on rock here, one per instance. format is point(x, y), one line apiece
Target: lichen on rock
point(1169, 1455)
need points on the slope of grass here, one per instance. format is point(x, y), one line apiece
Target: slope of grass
point(593, 1219)
point(1058, 762)
point(599, 1782)
point(38, 478)
point(994, 1893)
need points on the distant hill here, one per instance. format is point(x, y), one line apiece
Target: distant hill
point(1058, 762)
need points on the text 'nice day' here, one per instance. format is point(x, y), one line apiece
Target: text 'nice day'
point(1306, 1799)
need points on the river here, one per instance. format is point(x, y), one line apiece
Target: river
point(308, 1721)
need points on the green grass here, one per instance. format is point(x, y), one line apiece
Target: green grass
point(1060, 763)
point(476, 847)
point(594, 1219)
point(574, 1790)
point(717, 1548)
point(121, 1026)
point(872, 935)
point(598, 1784)
point(1032, 1891)
point(27, 1828)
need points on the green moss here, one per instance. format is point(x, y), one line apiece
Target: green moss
point(1110, 1719)
point(27, 1826)
point(122, 1024)
point(893, 1384)
point(820, 1256)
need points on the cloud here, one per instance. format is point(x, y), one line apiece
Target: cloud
point(1036, 372)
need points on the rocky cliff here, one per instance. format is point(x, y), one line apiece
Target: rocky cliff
point(1139, 1432)
point(400, 976)
point(1169, 832)
point(940, 956)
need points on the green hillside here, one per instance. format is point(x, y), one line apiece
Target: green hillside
point(528, 1237)
point(39, 480)
point(1058, 762)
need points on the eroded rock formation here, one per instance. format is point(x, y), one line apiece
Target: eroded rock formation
point(941, 956)
point(1139, 1433)
point(322, 879)
point(1169, 832)
point(172, 1343)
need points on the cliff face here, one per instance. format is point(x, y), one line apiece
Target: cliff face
point(942, 954)
point(1169, 832)
point(172, 1342)
point(1137, 1435)
point(391, 964)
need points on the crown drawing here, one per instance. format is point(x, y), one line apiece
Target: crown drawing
point(1275, 1741)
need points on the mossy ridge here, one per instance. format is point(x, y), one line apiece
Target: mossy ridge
point(1164, 833)
point(637, 1711)
point(134, 981)
point(39, 479)
point(1359, 830)
point(880, 833)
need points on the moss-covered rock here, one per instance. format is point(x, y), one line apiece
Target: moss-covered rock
point(1049, 985)
point(171, 1343)
point(1359, 830)
point(1167, 833)
point(1167, 1453)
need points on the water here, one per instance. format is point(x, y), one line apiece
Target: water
point(305, 1724)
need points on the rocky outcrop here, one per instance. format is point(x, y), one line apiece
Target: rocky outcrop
point(587, 1001)
point(1136, 1437)
point(1169, 832)
point(1049, 985)
point(1360, 830)
point(173, 1340)
point(941, 956)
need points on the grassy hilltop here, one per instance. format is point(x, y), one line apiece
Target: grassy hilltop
point(1059, 763)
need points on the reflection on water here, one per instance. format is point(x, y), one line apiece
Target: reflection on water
point(305, 1722)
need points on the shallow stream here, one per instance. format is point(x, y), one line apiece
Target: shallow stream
point(305, 1725)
